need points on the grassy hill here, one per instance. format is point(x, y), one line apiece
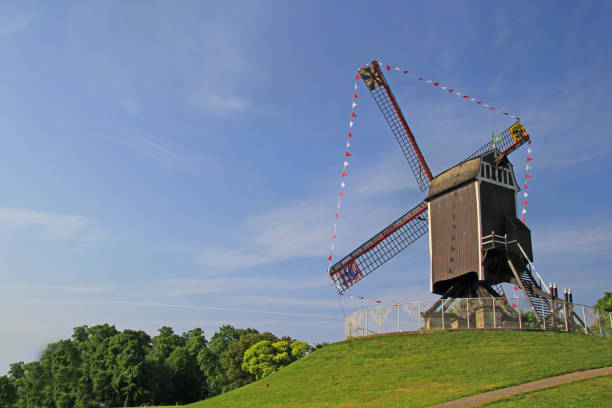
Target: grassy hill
point(419, 369)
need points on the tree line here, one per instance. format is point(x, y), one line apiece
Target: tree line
point(101, 366)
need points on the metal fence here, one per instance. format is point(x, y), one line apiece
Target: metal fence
point(477, 313)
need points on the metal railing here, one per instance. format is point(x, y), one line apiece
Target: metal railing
point(476, 313)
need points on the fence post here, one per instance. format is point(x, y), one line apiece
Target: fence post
point(367, 311)
point(584, 317)
point(381, 318)
point(565, 314)
point(494, 319)
point(419, 317)
point(599, 323)
point(443, 326)
point(398, 317)
point(467, 308)
point(519, 312)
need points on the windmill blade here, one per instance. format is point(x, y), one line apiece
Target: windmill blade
point(508, 141)
point(376, 83)
point(380, 248)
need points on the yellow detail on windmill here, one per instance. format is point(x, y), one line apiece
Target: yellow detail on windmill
point(518, 132)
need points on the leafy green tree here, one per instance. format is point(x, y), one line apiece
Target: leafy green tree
point(299, 349)
point(195, 341)
point(187, 378)
point(227, 334)
point(62, 360)
point(265, 357)
point(530, 320)
point(232, 359)
point(130, 372)
point(210, 366)
point(8, 392)
point(210, 359)
point(35, 388)
point(95, 385)
point(259, 359)
point(165, 342)
point(604, 304)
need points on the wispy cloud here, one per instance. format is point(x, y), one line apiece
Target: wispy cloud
point(303, 229)
point(79, 289)
point(329, 303)
point(18, 24)
point(574, 240)
point(182, 287)
point(177, 306)
point(165, 155)
point(51, 226)
point(221, 105)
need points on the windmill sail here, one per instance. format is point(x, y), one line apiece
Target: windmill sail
point(380, 248)
point(508, 141)
point(376, 83)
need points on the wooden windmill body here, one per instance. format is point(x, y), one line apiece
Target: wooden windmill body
point(472, 203)
point(470, 211)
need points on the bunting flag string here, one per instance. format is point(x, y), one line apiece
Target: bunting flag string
point(345, 164)
point(451, 90)
point(528, 175)
point(362, 298)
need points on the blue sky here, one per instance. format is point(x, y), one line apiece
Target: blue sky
point(178, 164)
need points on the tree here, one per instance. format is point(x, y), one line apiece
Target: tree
point(95, 383)
point(187, 378)
point(62, 360)
point(210, 366)
point(194, 341)
point(232, 359)
point(35, 387)
point(604, 304)
point(210, 358)
point(265, 357)
point(259, 359)
point(130, 372)
point(8, 392)
point(165, 343)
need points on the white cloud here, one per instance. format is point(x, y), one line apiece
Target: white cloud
point(390, 174)
point(253, 300)
point(181, 287)
point(173, 306)
point(51, 226)
point(298, 230)
point(220, 105)
point(80, 289)
point(19, 24)
point(166, 156)
point(574, 240)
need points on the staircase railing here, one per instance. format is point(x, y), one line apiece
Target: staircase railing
point(542, 283)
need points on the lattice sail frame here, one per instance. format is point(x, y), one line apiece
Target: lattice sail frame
point(380, 248)
point(414, 224)
point(381, 92)
point(509, 140)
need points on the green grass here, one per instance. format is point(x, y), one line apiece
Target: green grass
point(419, 369)
point(594, 392)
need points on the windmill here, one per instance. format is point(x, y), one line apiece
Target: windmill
point(476, 240)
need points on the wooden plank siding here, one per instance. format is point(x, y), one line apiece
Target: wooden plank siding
point(454, 236)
